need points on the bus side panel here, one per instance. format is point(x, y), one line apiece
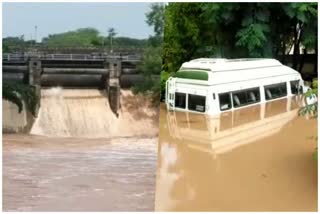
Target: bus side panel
point(212, 101)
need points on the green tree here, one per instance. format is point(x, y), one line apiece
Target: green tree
point(83, 37)
point(302, 18)
point(311, 109)
point(151, 63)
point(80, 38)
point(182, 34)
point(129, 42)
point(237, 30)
point(11, 44)
point(150, 68)
point(18, 94)
point(5, 48)
point(155, 18)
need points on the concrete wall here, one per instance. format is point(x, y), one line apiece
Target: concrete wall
point(13, 121)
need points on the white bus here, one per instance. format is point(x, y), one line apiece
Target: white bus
point(224, 132)
point(212, 86)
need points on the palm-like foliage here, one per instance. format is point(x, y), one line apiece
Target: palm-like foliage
point(18, 94)
point(311, 109)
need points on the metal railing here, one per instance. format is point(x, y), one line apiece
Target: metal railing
point(82, 57)
point(14, 57)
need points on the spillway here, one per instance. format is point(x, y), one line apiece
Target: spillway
point(81, 113)
point(79, 154)
point(86, 113)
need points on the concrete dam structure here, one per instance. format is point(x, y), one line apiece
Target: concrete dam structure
point(71, 89)
point(109, 73)
point(74, 112)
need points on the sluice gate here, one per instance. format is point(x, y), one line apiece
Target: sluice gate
point(108, 73)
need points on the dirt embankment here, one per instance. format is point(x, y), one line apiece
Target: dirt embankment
point(138, 115)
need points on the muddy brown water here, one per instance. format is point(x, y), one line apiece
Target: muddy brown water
point(86, 113)
point(76, 174)
point(254, 159)
point(81, 157)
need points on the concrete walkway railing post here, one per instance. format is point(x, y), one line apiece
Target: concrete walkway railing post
point(35, 78)
point(114, 85)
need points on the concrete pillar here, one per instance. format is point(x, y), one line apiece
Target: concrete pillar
point(114, 85)
point(35, 78)
point(119, 68)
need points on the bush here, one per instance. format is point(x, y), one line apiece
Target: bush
point(150, 68)
point(311, 109)
point(150, 86)
point(17, 93)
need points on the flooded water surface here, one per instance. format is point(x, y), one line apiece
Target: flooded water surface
point(253, 159)
point(81, 157)
point(86, 113)
point(54, 174)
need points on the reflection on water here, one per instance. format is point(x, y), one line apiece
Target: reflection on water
point(254, 159)
point(74, 174)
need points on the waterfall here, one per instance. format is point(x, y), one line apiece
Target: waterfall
point(86, 113)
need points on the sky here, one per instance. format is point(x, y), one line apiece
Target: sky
point(128, 19)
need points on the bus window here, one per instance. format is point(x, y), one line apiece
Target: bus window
point(225, 101)
point(275, 91)
point(196, 103)
point(245, 97)
point(295, 87)
point(180, 100)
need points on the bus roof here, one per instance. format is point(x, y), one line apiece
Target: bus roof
point(219, 64)
point(234, 70)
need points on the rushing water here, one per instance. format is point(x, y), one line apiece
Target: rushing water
point(80, 157)
point(254, 159)
point(75, 174)
point(86, 113)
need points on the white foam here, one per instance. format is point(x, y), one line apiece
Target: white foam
point(85, 113)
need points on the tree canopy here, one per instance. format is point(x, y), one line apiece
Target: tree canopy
point(151, 63)
point(80, 38)
point(10, 44)
point(234, 30)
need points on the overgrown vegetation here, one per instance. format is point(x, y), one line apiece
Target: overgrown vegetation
point(151, 63)
point(245, 30)
point(12, 44)
point(233, 30)
point(18, 93)
point(80, 38)
point(311, 109)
